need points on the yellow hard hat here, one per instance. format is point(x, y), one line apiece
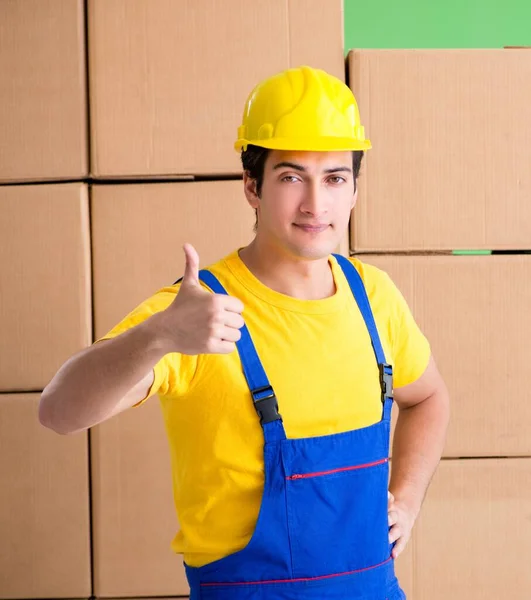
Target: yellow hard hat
point(302, 109)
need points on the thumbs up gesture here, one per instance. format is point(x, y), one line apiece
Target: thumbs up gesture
point(197, 321)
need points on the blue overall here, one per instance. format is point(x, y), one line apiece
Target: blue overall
point(322, 531)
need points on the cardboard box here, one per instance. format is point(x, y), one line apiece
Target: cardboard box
point(475, 312)
point(473, 537)
point(404, 569)
point(449, 168)
point(45, 281)
point(169, 80)
point(43, 121)
point(44, 506)
point(139, 231)
point(133, 512)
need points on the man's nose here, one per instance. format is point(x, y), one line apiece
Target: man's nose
point(315, 201)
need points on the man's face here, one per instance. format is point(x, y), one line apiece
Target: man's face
point(305, 202)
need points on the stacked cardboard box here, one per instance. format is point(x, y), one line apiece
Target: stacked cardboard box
point(168, 79)
point(450, 167)
point(45, 313)
point(98, 231)
point(449, 172)
point(44, 506)
point(43, 117)
point(138, 232)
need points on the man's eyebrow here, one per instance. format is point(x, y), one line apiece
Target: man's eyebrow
point(302, 169)
point(289, 165)
point(339, 170)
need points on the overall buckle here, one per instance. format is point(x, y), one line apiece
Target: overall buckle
point(266, 404)
point(386, 381)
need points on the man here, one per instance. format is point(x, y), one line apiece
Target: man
point(275, 373)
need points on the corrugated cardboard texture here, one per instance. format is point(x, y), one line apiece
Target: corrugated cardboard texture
point(475, 312)
point(133, 513)
point(449, 168)
point(44, 506)
point(139, 231)
point(168, 80)
point(45, 312)
point(473, 538)
point(43, 121)
point(404, 569)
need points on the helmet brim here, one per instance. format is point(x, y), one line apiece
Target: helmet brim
point(321, 144)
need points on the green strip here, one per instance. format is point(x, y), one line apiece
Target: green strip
point(449, 24)
point(471, 252)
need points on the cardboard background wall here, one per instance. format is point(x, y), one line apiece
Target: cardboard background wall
point(451, 149)
point(473, 533)
point(466, 305)
point(133, 517)
point(178, 100)
point(44, 506)
point(65, 542)
point(138, 231)
point(43, 101)
point(45, 312)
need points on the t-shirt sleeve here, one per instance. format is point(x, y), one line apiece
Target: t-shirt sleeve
point(170, 375)
point(409, 346)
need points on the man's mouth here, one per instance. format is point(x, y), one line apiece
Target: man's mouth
point(312, 228)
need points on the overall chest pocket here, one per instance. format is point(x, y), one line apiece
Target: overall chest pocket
point(337, 519)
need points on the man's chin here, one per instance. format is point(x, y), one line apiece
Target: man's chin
point(315, 251)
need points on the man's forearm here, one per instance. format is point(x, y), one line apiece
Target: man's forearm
point(89, 385)
point(418, 444)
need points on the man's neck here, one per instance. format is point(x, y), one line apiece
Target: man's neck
point(302, 279)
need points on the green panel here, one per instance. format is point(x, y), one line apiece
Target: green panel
point(471, 252)
point(437, 24)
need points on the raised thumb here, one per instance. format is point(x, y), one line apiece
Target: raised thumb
point(191, 270)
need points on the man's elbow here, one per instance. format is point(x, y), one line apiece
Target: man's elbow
point(48, 417)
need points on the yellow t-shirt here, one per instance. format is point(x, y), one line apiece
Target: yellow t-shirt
point(318, 358)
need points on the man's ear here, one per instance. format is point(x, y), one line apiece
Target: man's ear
point(249, 187)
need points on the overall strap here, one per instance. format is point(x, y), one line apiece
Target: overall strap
point(263, 395)
point(360, 294)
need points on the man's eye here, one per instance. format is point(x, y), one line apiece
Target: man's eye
point(289, 179)
point(336, 179)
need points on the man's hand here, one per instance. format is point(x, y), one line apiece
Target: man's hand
point(197, 321)
point(401, 521)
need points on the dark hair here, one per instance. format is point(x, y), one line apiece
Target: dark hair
point(254, 158)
